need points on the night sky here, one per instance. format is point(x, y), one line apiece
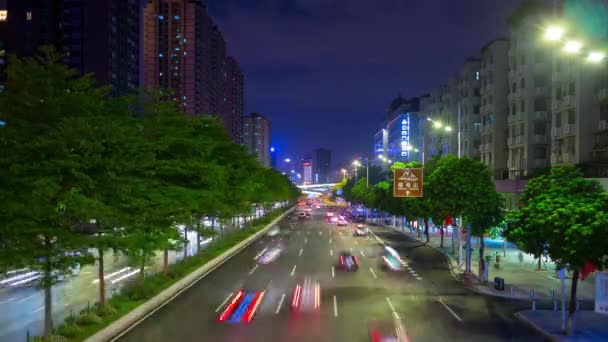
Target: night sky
point(324, 71)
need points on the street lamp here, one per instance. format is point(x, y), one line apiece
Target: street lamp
point(554, 33)
point(595, 56)
point(573, 47)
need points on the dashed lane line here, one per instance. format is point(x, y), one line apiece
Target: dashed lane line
point(392, 308)
point(373, 273)
point(280, 303)
point(335, 307)
point(224, 302)
point(293, 270)
point(301, 250)
point(253, 269)
point(450, 310)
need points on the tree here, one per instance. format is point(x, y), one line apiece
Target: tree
point(39, 168)
point(461, 186)
point(569, 215)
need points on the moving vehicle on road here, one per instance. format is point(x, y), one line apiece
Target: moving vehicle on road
point(342, 222)
point(390, 260)
point(269, 254)
point(348, 262)
point(388, 331)
point(242, 307)
point(306, 296)
point(360, 230)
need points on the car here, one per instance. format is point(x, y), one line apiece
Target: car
point(390, 260)
point(306, 296)
point(342, 222)
point(301, 214)
point(348, 262)
point(269, 255)
point(388, 331)
point(242, 307)
point(360, 230)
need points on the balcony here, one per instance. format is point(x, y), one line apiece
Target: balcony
point(485, 148)
point(511, 74)
point(515, 140)
point(556, 132)
point(602, 95)
point(511, 119)
point(516, 164)
point(540, 91)
point(511, 97)
point(568, 158)
point(540, 139)
point(601, 125)
point(555, 105)
point(568, 101)
point(568, 129)
point(540, 115)
point(555, 158)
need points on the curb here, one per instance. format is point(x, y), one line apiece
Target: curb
point(127, 322)
point(535, 327)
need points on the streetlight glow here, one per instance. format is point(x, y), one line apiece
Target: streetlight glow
point(448, 128)
point(287, 160)
point(437, 124)
point(554, 33)
point(595, 56)
point(573, 46)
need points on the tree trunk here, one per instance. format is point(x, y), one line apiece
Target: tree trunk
point(48, 304)
point(426, 229)
point(198, 236)
point(482, 260)
point(100, 275)
point(185, 242)
point(453, 248)
point(165, 261)
point(441, 234)
point(540, 259)
point(572, 308)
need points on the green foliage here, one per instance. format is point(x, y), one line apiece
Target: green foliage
point(69, 330)
point(79, 170)
point(564, 215)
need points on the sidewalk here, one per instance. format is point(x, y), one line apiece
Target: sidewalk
point(588, 325)
point(520, 275)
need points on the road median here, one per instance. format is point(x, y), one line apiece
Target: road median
point(130, 319)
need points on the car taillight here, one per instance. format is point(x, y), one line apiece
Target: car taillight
point(230, 308)
point(252, 308)
point(355, 260)
point(295, 302)
point(341, 260)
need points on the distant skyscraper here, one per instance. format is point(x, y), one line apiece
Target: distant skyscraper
point(232, 113)
point(256, 136)
point(321, 164)
point(101, 37)
point(307, 172)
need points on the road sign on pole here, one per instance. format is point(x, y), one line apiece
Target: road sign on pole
point(407, 183)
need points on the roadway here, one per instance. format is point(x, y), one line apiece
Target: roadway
point(430, 304)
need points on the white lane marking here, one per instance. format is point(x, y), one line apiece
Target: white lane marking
point(333, 273)
point(351, 249)
point(26, 298)
point(418, 278)
point(335, 307)
point(331, 252)
point(392, 308)
point(320, 233)
point(293, 270)
point(305, 240)
point(8, 300)
point(362, 254)
point(301, 250)
point(224, 302)
point(39, 309)
point(330, 240)
point(373, 273)
point(260, 254)
point(280, 303)
point(253, 269)
point(450, 310)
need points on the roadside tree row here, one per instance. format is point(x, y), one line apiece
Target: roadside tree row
point(81, 170)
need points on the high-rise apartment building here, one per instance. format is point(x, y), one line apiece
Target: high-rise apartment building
point(256, 136)
point(469, 103)
point(321, 165)
point(529, 99)
point(101, 37)
point(494, 106)
point(232, 112)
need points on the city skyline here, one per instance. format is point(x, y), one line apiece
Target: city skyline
point(284, 73)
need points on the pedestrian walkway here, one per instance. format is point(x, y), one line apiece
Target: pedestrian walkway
point(519, 270)
point(588, 325)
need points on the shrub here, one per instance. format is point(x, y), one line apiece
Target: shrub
point(88, 318)
point(52, 338)
point(68, 330)
point(105, 311)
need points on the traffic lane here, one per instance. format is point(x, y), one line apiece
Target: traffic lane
point(198, 308)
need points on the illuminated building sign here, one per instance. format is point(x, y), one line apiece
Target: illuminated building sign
point(405, 136)
point(3, 15)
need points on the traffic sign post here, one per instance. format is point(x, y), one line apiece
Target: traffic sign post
point(407, 183)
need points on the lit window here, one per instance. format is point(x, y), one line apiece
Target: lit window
point(161, 55)
point(28, 15)
point(161, 17)
point(3, 15)
point(477, 75)
point(2, 53)
point(185, 53)
point(176, 17)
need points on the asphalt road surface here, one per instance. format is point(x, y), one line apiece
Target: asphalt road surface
point(429, 304)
